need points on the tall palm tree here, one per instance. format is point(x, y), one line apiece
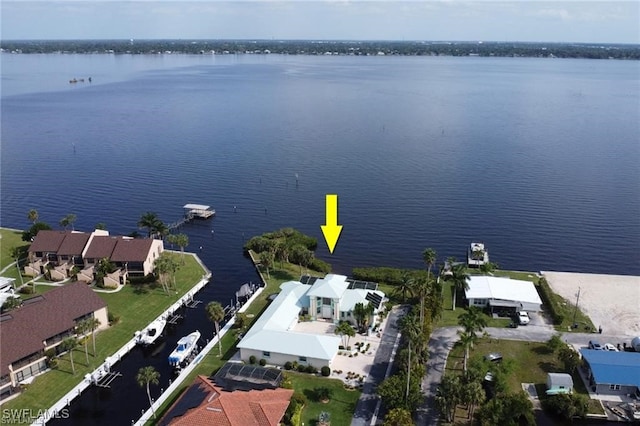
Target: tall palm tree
point(448, 395)
point(148, 220)
point(33, 216)
point(474, 395)
point(15, 253)
point(466, 339)
point(422, 288)
point(473, 320)
point(148, 375)
point(92, 324)
point(181, 240)
point(459, 277)
point(215, 312)
point(429, 257)
point(81, 328)
point(267, 259)
point(69, 344)
point(68, 220)
point(361, 313)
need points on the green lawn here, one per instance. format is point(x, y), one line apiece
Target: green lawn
point(531, 361)
point(10, 239)
point(136, 306)
point(342, 402)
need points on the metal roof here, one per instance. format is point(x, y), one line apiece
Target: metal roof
point(506, 289)
point(615, 368)
point(196, 207)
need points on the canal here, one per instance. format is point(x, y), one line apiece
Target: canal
point(124, 401)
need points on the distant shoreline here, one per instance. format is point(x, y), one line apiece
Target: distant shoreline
point(327, 47)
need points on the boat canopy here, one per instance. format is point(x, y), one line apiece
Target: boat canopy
point(196, 207)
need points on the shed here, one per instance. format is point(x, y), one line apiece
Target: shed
point(559, 383)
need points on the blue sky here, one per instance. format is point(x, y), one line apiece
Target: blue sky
point(479, 20)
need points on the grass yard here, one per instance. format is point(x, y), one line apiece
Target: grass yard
point(136, 306)
point(450, 317)
point(342, 402)
point(531, 361)
point(10, 239)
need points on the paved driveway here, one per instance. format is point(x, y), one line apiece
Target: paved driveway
point(368, 401)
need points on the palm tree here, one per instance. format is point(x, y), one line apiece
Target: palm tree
point(181, 240)
point(215, 312)
point(466, 339)
point(15, 253)
point(92, 324)
point(448, 395)
point(459, 277)
point(474, 395)
point(361, 313)
point(104, 268)
point(405, 285)
point(81, 329)
point(345, 329)
point(422, 288)
point(267, 259)
point(148, 220)
point(68, 220)
point(33, 216)
point(473, 320)
point(148, 375)
point(69, 344)
point(165, 268)
point(429, 257)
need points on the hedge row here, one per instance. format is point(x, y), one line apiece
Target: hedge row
point(547, 299)
point(391, 276)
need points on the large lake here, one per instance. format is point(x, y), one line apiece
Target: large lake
point(537, 158)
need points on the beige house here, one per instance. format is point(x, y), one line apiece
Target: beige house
point(64, 252)
point(40, 324)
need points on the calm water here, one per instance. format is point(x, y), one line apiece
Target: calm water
point(537, 158)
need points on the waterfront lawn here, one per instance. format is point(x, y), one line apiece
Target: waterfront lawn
point(137, 306)
point(10, 239)
point(342, 403)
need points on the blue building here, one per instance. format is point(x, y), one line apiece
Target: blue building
point(612, 373)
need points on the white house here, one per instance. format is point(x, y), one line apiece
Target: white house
point(329, 299)
point(498, 292)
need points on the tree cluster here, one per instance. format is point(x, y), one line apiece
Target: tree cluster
point(333, 47)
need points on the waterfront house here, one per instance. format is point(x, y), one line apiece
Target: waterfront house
point(66, 252)
point(273, 336)
point(208, 402)
point(502, 294)
point(40, 324)
point(612, 373)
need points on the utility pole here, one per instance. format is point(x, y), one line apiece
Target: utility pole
point(575, 311)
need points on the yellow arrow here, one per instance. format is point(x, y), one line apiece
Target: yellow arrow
point(331, 230)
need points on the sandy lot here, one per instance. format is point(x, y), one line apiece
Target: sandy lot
point(611, 301)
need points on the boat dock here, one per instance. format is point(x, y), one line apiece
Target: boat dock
point(175, 384)
point(104, 375)
point(193, 211)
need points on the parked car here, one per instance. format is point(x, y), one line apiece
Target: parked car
point(523, 318)
point(594, 344)
point(610, 347)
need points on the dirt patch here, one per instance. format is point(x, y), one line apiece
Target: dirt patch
point(611, 301)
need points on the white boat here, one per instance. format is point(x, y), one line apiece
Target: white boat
point(185, 347)
point(150, 334)
point(477, 255)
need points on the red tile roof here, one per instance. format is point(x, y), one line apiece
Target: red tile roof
point(48, 241)
point(73, 244)
point(238, 408)
point(22, 330)
point(131, 250)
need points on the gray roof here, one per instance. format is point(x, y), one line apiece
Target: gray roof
point(331, 286)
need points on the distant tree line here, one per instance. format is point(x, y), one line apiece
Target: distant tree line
point(333, 47)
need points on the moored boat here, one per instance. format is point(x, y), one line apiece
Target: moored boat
point(477, 255)
point(185, 348)
point(151, 333)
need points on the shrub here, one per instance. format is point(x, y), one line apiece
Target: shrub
point(262, 362)
point(147, 279)
point(325, 371)
point(302, 368)
point(252, 359)
point(288, 365)
point(340, 347)
point(547, 299)
point(27, 289)
point(113, 318)
point(320, 266)
point(311, 369)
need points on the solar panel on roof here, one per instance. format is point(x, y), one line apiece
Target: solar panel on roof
point(374, 298)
